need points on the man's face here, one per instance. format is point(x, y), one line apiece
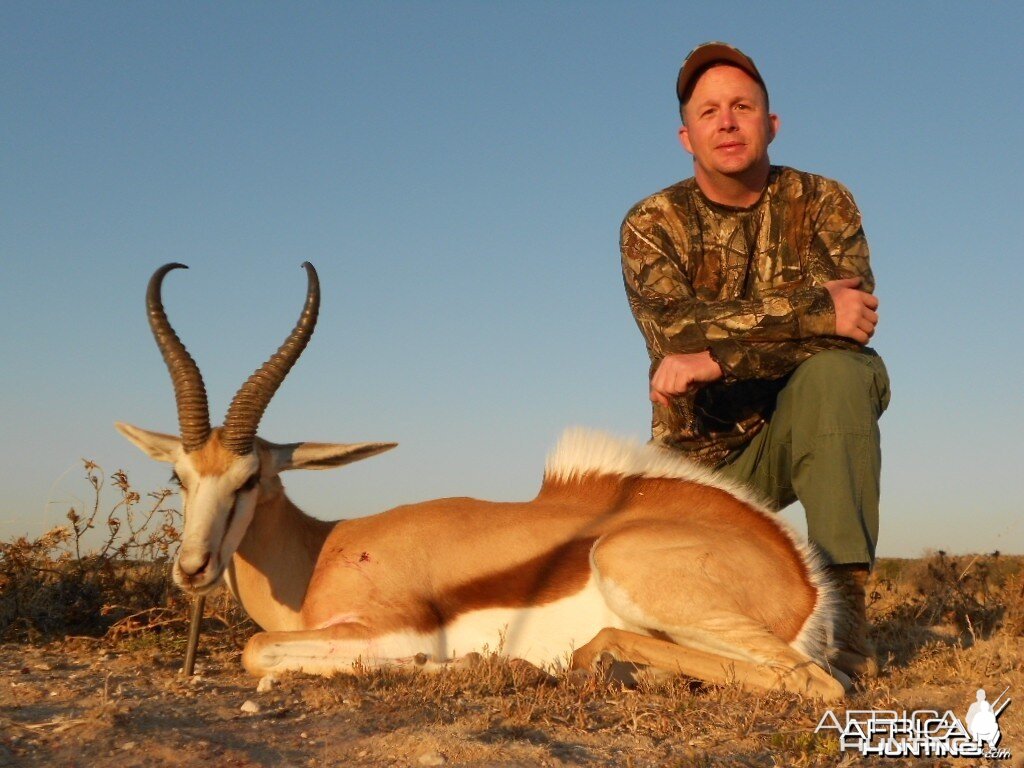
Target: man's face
point(728, 127)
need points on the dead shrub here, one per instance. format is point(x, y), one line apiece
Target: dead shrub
point(57, 585)
point(972, 596)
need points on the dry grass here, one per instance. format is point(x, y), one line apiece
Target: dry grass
point(944, 626)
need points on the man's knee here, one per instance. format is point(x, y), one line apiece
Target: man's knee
point(841, 385)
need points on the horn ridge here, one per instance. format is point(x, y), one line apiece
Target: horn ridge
point(189, 388)
point(251, 400)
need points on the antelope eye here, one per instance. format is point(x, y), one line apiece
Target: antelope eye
point(249, 484)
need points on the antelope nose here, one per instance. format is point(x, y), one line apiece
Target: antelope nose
point(193, 567)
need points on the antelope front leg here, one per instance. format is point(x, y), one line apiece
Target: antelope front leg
point(334, 649)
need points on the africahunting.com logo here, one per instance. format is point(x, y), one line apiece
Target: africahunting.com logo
point(922, 733)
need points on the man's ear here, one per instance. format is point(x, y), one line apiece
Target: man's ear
point(322, 455)
point(155, 444)
point(773, 126)
point(684, 138)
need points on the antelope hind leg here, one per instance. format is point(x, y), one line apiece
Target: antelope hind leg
point(800, 676)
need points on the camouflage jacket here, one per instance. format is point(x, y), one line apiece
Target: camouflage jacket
point(745, 284)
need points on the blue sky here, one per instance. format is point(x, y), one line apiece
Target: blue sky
point(457, 172)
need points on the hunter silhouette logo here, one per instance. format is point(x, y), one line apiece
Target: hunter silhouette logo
point(983, 718)
point(923, 732)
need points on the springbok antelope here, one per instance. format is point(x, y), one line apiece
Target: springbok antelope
point(627, 549)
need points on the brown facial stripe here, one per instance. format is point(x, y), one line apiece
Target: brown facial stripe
point(558, 573)
point(227, 525)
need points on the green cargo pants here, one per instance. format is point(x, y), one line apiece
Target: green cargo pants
point(822, 447)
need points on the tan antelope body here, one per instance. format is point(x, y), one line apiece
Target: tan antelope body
point(627, 549)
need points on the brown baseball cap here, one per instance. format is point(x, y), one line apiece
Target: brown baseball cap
point(707, 53)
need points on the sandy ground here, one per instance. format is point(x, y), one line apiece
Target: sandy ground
point(84, 702)
point(79, 704)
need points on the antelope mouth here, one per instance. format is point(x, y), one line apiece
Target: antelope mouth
point(200, 590)
point(197, 586)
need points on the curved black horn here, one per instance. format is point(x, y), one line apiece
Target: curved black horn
point(252, 399)
point(189, 389)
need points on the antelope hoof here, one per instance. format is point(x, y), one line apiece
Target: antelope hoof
point(855, 665)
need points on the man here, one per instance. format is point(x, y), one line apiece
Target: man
point(752, 287)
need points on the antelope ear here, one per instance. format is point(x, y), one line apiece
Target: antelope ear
point(322, 455)
point(155, 444)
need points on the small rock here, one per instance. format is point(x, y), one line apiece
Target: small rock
point(471, 660)
point(250, 707)
point(128, 746)
point(431, 758)
point(265, 684)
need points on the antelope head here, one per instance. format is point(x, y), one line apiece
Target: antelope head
point(223, 471)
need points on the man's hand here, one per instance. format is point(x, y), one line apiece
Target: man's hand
point(678, 373)
point(856, 317)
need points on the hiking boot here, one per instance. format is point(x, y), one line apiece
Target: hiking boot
point(852, 652)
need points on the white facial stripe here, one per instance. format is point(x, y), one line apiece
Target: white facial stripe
point(209, 503)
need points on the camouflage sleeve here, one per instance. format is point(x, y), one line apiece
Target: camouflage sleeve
point(673, 320)
point(838, 250)
point(750, 338)
point(772, 360)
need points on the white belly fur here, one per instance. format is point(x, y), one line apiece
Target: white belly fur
point(545, 635)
